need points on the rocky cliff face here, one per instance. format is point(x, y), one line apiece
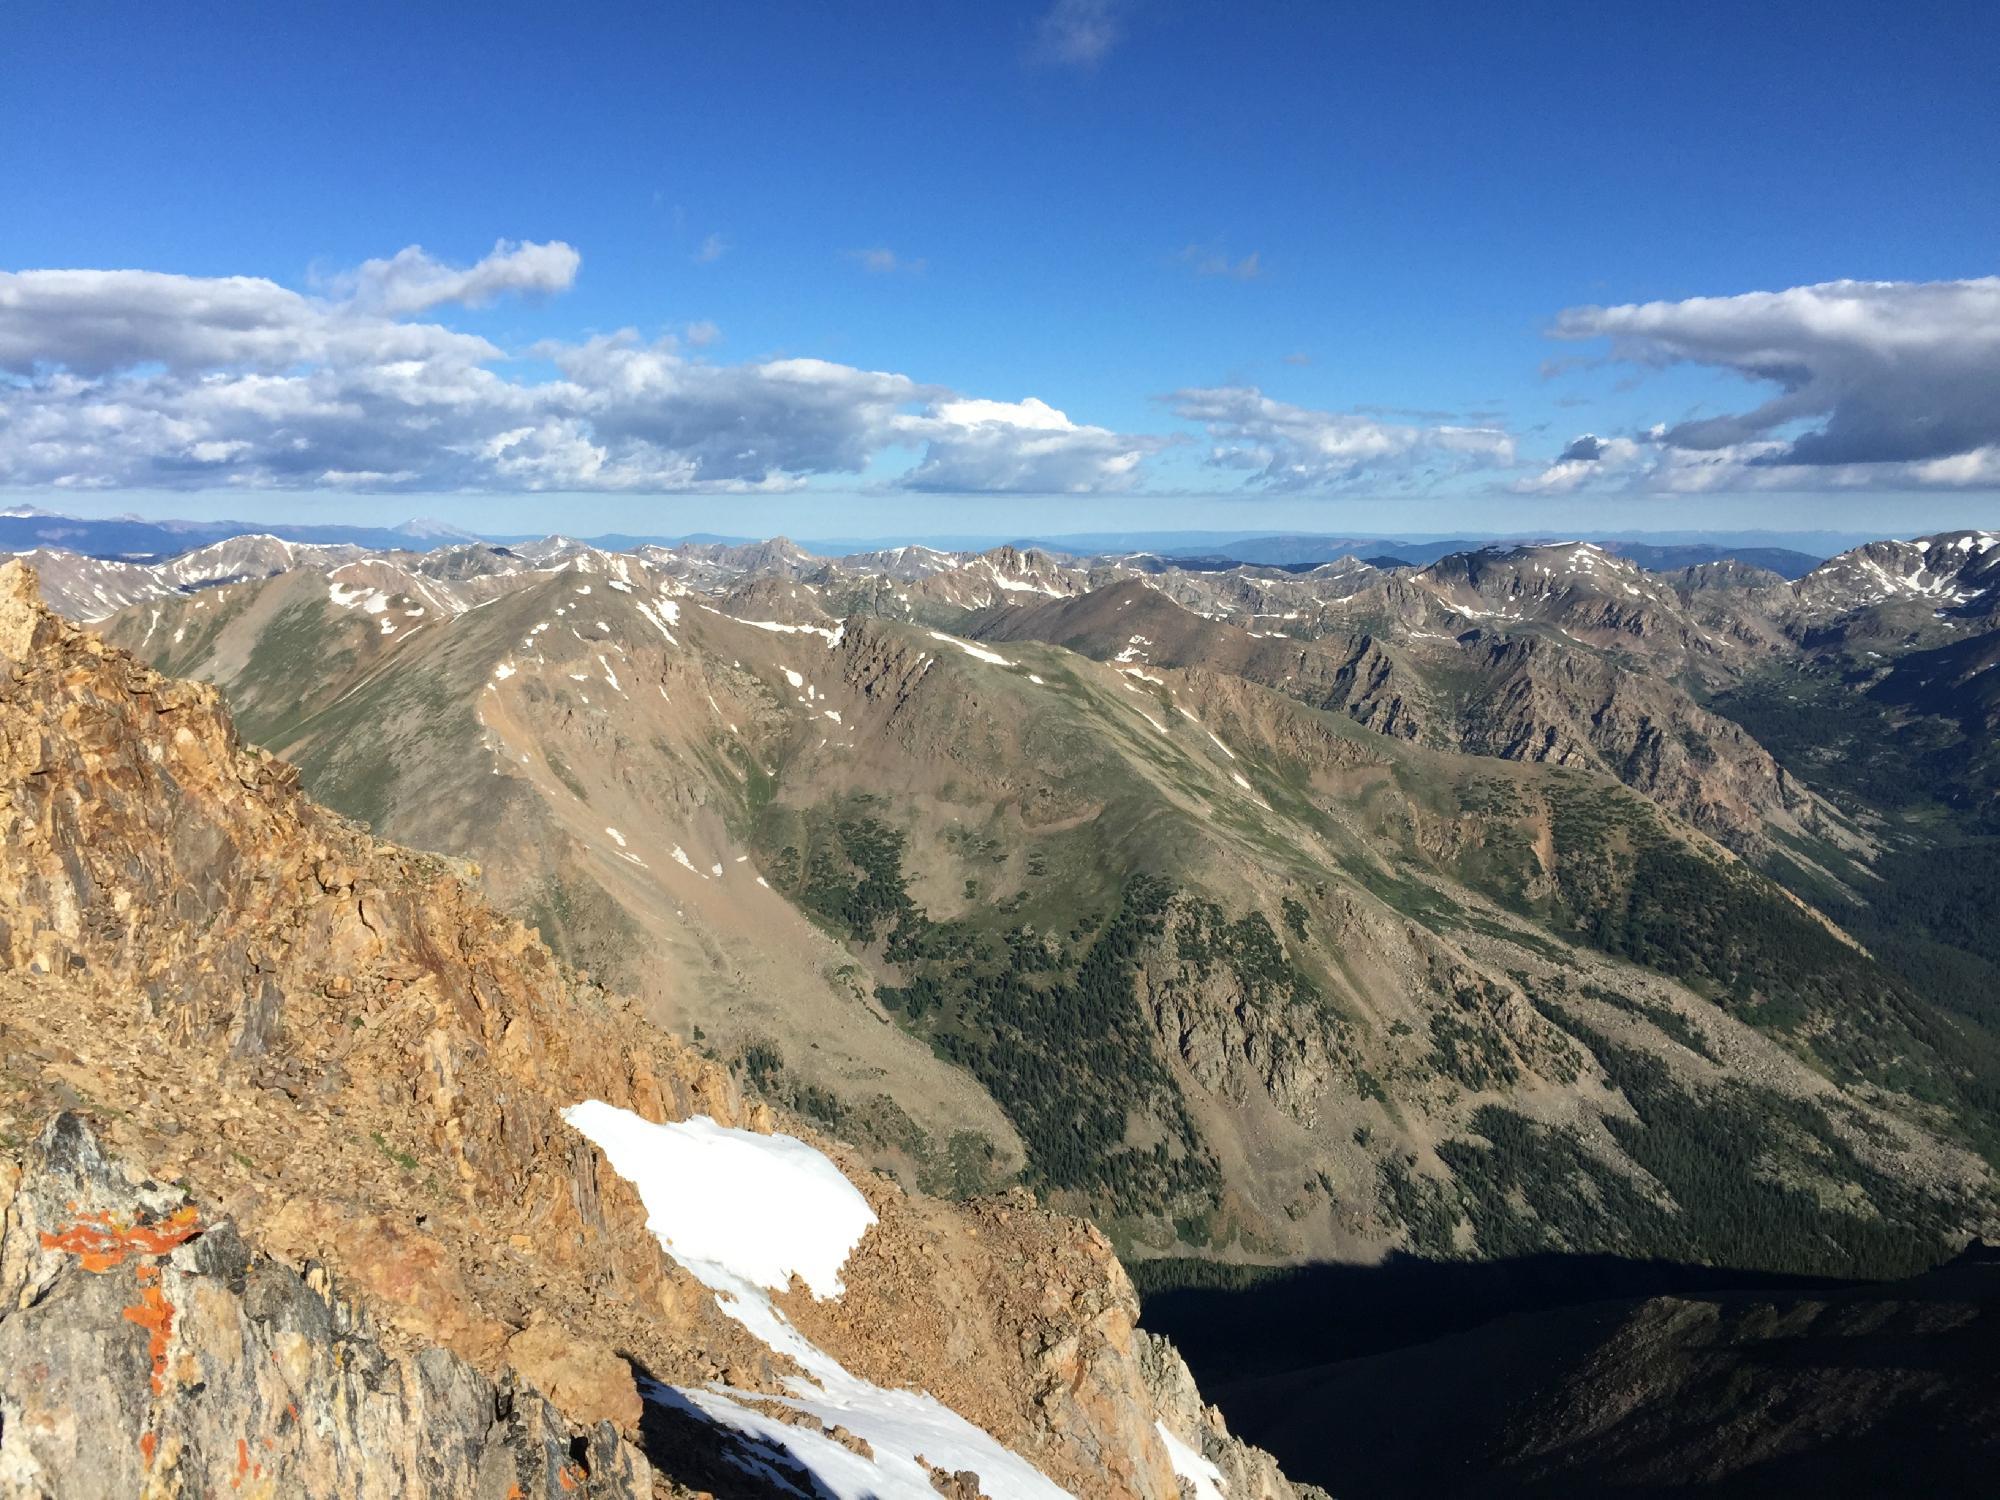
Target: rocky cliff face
point(344, 1054)
point(146, 1350)
point(1573, 709)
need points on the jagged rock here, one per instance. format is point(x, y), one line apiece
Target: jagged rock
point(1248, 1473)
point(145, 1350)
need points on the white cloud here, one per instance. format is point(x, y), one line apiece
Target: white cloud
point(411, 282)
point(1078, 33)
point(145, 380)
point(1977, 468)
point(750, 425)
point(1290, 447)
point(712, 248)
point(1209, 262)
point(882, 261)
point(1586, 462)
point(1021, 447)
point(1877, 383)
point(95, 322)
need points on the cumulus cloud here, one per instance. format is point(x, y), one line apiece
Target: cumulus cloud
point(736, 426)
point(411, 281)
point(1286, 447)
point(1021, 447)
point(1588, 460)
point(1876, 382)
point(93, 323)
point(117, 379)
point(1078, 33)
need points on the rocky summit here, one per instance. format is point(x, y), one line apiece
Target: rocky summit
point(292, 1207)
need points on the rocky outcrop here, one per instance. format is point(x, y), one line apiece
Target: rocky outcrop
point(1246, 1472)
point(359, 1068)
point(146, 1350)
point(1230, 1044)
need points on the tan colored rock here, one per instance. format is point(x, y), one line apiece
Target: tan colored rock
point(588, 1381)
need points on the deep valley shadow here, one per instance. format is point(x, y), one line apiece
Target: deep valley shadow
point(1304, 1317)
point(1557, 1375)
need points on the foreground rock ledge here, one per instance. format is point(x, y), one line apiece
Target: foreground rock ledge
point(147, 1351)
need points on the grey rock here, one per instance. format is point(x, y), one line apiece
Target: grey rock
point(147, 1351)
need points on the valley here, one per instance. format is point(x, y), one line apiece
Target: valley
point(1486, 911)
point(1410, 897)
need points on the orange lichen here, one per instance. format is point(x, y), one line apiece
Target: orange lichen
point(103, 1241)
point(154, 1313)
point(242, 1464)
point(149, 1443)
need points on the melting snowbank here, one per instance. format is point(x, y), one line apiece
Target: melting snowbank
point(732, 1206)
point(744, 1214)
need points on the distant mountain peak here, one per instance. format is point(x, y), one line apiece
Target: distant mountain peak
point(428, 528)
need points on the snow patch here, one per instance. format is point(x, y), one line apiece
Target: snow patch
point(746, 1214)
point(783, 629)
point(971, 650)
point(657, 623)
point(1191, 1466)
point(737, 1209)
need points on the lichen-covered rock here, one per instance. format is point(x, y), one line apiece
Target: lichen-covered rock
point(145, 1350)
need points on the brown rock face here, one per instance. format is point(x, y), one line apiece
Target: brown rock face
point(344, 1052)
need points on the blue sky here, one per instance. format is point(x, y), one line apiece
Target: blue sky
point(1283, 265)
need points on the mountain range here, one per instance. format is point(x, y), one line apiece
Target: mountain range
point(1528, 902)
point(24, 528)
